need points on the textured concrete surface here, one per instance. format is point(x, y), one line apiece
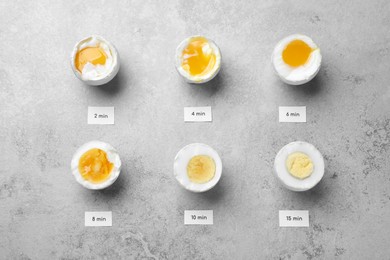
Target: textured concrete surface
point(43, 121)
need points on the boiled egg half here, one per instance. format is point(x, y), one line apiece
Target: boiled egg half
point(198, 59)
point(299, 166)
point(94, 60)
point(296, 59)
point(197, 167)
point(96, 165)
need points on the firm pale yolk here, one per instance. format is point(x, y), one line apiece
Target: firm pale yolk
point(94, 166)
point(201, 169)
point(198, 57)
point(94, 55)
point(299, 165)
point(296, 53)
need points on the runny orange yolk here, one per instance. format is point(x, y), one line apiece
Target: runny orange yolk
point(198, 58)
point(94, 166)
point(296, 53)
point(94, 55)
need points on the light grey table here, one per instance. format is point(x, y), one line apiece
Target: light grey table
point(44, 120)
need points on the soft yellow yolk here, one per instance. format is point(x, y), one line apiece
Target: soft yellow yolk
point(93, 55)
point(201, 169)
point(299, 165)
point(94, 166)
point(198, 57)
point(296, 53)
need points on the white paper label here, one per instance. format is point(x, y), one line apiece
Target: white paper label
point(100, 115)
point(98, 219)
point(293, 218)
point(197, 114)
point(198, 217)
point(292, 114)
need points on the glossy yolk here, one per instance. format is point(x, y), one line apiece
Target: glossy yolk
point(198, 57)
point(299, 165)
point(94, 166)
point(296, 53)
point(201, 169)
point(94, 55)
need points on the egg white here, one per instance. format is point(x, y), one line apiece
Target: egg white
point(182, 159)
point(290, 181)
point(97, 74)
point(296, 75)
point(112, 156)
point(211, 47)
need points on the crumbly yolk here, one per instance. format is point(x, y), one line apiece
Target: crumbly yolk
point(299, 165)
point(296, 53)
point(198, 57)
point(94, 166)
point(201, 169)
point(94, 55)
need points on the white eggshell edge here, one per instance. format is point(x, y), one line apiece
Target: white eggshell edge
point(289, 181)
point(198, 79)
point(112, 156)
point(182, 159)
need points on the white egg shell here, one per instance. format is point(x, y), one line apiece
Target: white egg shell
point(112, 156)
point(289, 181)
point(182, 159)
point(99, 74)
point(198, 79)
point(296, 75)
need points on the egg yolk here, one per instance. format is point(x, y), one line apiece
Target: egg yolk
point(94, 166)
point(198, 57)
point(93, 55)
point(201, 169)
point(299, 165)
point(296, 53)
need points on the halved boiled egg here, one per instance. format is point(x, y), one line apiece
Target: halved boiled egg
point(299, 166)
point(96, 165)
point(94, 60)
point(296, 59)
point(198, 59)
point(197, 167)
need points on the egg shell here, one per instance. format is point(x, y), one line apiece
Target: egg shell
point(94, 40)
point(112, 156)
point(198, 79)
point(289, 181)
point(182, 159)
point(296, 75)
